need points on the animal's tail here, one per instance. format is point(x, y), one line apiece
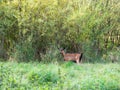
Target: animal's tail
point(81, 57)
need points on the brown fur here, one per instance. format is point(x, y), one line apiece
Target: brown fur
point(71, 56)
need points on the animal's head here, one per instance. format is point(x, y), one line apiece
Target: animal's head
point(61, 50)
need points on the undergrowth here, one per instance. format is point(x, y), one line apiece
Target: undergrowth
point(67, 76)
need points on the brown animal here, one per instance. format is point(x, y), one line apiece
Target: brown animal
point(72, 56)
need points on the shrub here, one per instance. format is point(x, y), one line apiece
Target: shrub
point(23, 52)
point(52, 55)
point(113, 55)
point(44, 77)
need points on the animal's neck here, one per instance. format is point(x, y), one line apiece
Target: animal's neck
point(63, 53)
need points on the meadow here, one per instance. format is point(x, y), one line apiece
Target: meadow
point(59, 76)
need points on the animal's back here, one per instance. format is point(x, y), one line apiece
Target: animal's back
point(71, 57)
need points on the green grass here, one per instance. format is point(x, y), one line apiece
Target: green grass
point(67, 76)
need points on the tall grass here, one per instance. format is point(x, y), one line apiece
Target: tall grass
point(67, 76)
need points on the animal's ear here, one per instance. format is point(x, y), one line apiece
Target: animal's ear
point(61, 49)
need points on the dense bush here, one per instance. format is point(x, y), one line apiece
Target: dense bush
point(23, 52)
point(88, 26)
point(52, 55)
point(112, 56)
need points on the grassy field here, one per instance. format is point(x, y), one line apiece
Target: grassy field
point(66, 76)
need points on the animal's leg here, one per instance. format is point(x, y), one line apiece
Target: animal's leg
point(77, 61)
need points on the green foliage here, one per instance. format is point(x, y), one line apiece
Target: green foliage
point(59, 77)
point(68, 64)
point(112, 56)
point(43, 77)
point(52, 55)
point(23, 52)
point(7, 79)
point(88, 26)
